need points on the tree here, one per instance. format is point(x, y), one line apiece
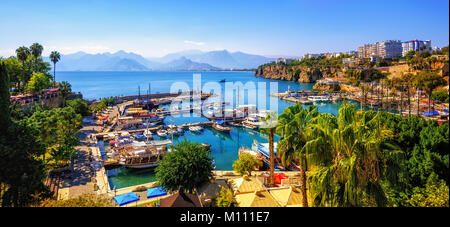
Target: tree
point(65, 89)
point(38, 82)
point(410, 55)
point(225, 198)
point(21, 175)
point(79, 106)
point(268, 127)
point(435, 194)
point(186, 168)
point(22, 54)
point(427, 80)
point(54, 57)
point(292, 124)
point(5, 102)
point(36, 51)
point(63, 153)
point(352, 153)
point(246, 164)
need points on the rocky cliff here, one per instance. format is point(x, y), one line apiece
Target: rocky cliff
point(299, 73)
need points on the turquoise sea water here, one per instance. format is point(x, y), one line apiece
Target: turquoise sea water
point(224, 147)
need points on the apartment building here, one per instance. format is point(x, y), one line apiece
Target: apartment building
point(415, 45)
point(385, 49)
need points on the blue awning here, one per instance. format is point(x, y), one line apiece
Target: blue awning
point(126, 198)
point(432, 113)
point(155, 192)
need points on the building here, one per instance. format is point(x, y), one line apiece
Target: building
point(285, 60)
point(385, 49)
point(308, 56)
point(415, 45)
point(181, 200)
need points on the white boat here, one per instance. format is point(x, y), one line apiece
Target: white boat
point(253, 120)
point(318, 98)
point(162, 133)
point(195, 128)
point(148, 134)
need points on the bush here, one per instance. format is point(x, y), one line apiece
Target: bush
point(186, 168)
point(246, 164)
point(79, 106)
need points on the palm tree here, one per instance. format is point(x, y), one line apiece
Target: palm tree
point(350, 153)
point(36, 51)
point(65, 89)
point(268, 127)
point(408, 77)
point(428, 81)
point(291, 125)
point(54, 57)
point(22, 54)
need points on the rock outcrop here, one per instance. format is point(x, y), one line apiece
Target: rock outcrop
point(299, 73)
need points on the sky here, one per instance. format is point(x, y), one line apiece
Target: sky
point(154, 28)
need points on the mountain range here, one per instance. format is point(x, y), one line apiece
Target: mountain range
point(192, 60)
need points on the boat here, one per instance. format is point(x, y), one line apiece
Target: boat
point(142, 157)
point(148, 134)
point(318, 98)
point(195, 128)
point(218, 125)
point(140, 137)
point(248, 125)
point(162, 133)
point(262, 149)
point(222, 81)
point(253, 121)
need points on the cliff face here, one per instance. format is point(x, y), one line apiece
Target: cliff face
point(297, 73)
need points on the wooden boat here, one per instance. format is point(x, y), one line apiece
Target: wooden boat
point(221, 128)
point(148, 157)
point(249, 126)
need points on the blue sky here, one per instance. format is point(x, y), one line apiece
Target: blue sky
point(154, 28)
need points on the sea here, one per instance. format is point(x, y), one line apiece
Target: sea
point(224, 146)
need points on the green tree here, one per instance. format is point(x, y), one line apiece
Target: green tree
point(435, 194)
point(38, 82)
point(225, 198)
point(65, 88)
point(36, 51)
point(352, 154)
point(79, 106)
point(21, 175)
point(54, 57)
point(268, 128)
point(63, 153)
point(292, 124)
point(428, 81)
point(186, 168)
point(246, 164)
point(22, 54)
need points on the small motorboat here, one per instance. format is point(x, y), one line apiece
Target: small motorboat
point(147, 133)
point(195, 128)
point(162, 133)
point(222, 81)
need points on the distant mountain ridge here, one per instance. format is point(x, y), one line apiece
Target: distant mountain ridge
point(192, 60)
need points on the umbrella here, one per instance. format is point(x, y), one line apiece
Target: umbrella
point(126, 198)
point(155, 192)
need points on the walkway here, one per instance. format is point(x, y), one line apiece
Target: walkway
point(81, 181)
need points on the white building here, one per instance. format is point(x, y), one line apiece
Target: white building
point(415, 45)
